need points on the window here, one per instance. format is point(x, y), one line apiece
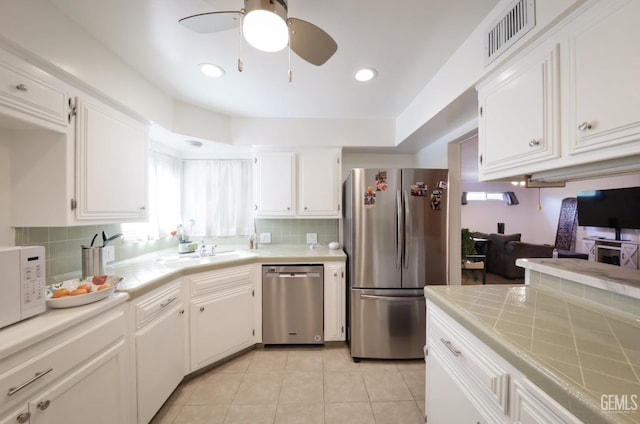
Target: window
point(209, 197)
point(471, 196)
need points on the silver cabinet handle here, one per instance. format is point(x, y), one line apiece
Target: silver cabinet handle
point(202, 309)
point(449, 346)
point(43, 404)
point(39, 375)
point(24, 417)
point(584, 126)
point(534, 143)
point(22, 87)
point(167, 303)
point(142, 208)
point(181, 311)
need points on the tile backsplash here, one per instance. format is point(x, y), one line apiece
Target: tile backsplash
point(294, 231)
point(63, 244)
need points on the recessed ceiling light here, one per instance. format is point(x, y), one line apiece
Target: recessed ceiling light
point(366, 74)
point(210, 70)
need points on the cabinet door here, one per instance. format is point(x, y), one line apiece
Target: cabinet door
point(629, 255)
point(20, 415)
point(221, 324)
point(519, 116)
point(319, 182)
point(159, 361)
point(334, 302)
point(605, 64)
point(446, 397)
point(95, 392)
point(111, 164)
point(275, 178)
point(533, 406)
point(31, 92)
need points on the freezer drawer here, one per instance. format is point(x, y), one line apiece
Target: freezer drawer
point(387, 324)
point(293, 304)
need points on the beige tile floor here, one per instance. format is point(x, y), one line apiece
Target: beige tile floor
point(301, 385)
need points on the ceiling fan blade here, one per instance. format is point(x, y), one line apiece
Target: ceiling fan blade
point(310, 42)
point(212, 21)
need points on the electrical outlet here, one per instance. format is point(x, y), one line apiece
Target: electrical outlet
point(265, 238)
point(312, 238)
point(109, 253)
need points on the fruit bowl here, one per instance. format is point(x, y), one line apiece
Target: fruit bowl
point(111, 282)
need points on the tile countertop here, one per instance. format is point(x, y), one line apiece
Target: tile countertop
point(146, 272)
point(615, 279)
point(24, 334)
point(573, 349)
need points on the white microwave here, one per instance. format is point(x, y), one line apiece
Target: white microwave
point(22, 283)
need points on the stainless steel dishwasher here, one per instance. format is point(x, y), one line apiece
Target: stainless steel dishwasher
point(292, 304)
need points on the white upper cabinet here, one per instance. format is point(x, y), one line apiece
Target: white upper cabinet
point(301, 183)
point(111, 164)
point(519, 114)
point(275, 183)
point(30, 94)
point(569, 99)
point(91, 171)
point(605, 80)
point(319, 182)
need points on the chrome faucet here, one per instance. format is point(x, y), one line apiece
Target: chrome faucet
point(213, 250)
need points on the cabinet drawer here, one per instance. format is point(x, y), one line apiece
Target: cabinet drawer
point(465, 351)
point(30, 90)
point(149, 308)
point(28, 371)
point(220, 279)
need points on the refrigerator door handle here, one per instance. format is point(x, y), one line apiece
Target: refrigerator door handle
point(399, 230)
point(407, 229)
point(391, 298)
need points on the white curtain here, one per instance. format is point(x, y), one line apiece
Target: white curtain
point(165, 181)
point(217, 197)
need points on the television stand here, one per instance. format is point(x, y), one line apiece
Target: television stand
point(615, 252)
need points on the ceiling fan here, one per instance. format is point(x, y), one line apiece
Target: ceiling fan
point(266, 26)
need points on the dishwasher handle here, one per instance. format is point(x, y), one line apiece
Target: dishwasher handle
point(293, 275)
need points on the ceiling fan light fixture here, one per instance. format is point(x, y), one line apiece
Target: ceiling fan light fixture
point(365, 74)
point(211, 70)
point(266, 30)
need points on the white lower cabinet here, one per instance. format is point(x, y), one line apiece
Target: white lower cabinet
point(222, 309)
point(334, 302)
point(467, 382)
point(446, 396)
point(533, 406)
point(78, 376)
point(159, 348)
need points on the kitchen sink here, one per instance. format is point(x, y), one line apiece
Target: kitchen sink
point(192, 259)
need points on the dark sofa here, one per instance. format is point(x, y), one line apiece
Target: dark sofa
point(502, 250)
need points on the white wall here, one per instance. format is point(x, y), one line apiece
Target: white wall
point(38, 27)
point(375, 160)
point(7, 237)
point(523, 218)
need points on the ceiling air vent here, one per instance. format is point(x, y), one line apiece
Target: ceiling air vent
point(508, 28)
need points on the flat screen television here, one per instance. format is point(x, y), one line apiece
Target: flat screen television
point(614, 208)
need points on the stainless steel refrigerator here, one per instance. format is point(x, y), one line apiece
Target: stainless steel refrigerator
point(395, 237)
